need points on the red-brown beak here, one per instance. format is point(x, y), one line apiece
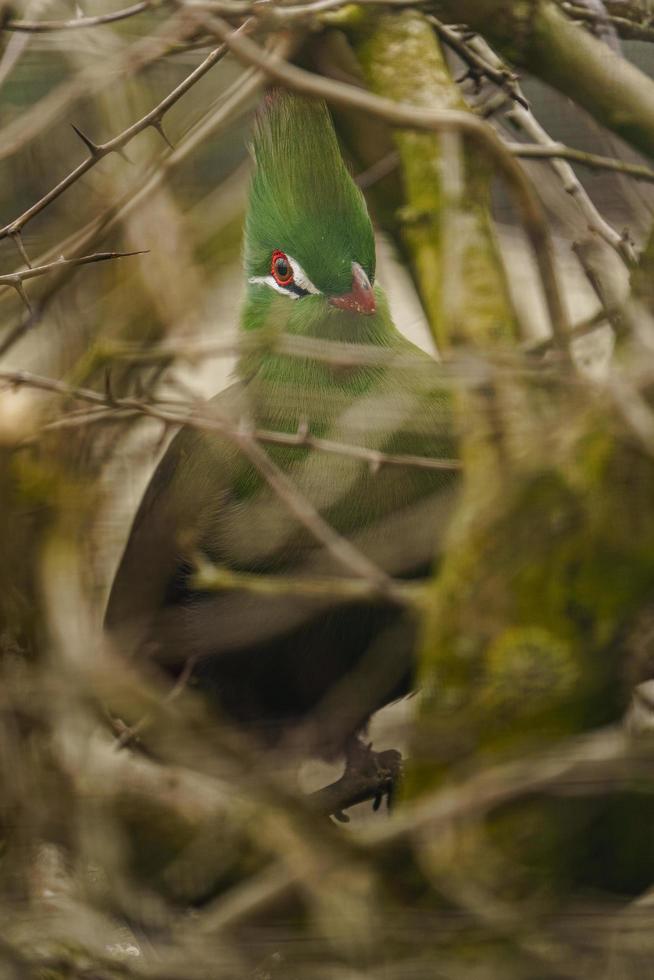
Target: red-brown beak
point(361, 298)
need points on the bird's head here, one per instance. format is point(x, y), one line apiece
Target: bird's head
point(308, 236)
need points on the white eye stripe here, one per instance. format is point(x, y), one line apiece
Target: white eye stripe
point(300, 279)
point(269, 281)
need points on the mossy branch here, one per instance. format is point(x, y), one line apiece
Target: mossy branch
point(539, 37)
point(460, 277)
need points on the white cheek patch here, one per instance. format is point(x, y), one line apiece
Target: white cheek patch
point(269, 281)
point(300, 278)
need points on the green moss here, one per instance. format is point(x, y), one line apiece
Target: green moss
point(522, 638)
point(527, 670)
point(401, 59)
point(546, 568)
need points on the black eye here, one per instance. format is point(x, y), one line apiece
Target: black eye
point(281, 269)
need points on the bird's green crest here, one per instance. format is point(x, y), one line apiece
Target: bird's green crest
point(303, 201)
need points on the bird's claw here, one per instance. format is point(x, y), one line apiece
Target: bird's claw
point(385, 767)
point(389, 769)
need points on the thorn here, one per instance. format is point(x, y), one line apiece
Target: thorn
point(158, 125)
point(18, 286)
point(92, 147)
point(122, 154)
point(104, 256)
point(17, 239)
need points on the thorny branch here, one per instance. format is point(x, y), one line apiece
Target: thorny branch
point(483, 62)
point(637, 27)
point(15, 280)
point(229, 104)
point(479, 66)
point(179, 413)
point(75, 23)
point(491, 66)
point(594, 161)
point(246, 439)
point(604, 758)
point(572, 185)
point(487, 64)
point(30, 123)
point(152, 119)
point(397, 115)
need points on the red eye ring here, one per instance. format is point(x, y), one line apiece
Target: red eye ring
point(281, 269)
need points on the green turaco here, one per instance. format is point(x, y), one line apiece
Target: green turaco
point(308, 668)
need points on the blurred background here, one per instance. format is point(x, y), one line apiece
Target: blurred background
point(522, 845)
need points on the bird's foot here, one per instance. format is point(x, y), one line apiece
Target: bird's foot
point(380, 771)
point(368, 775)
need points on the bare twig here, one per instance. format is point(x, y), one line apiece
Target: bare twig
point(334, 352)
point(612, 312)
point(580, 329)
point(152, 119)
point(128, 733)
point(75, 23)
point(521, 116)
point(230, 103)
point(377, 171)
point(595, 161)
point(216, 578)
point(497, 73)
point(572, 185)
point(244, 900)
point(628, 28)
point(33, 121)
point(345, 553)
point(374, 457)
point(15, 279)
